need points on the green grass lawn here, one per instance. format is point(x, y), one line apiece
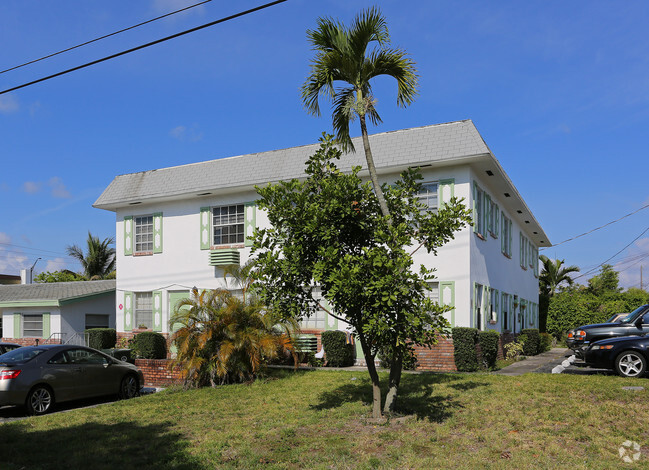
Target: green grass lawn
point(320, 419)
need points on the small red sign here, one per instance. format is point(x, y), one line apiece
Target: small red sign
point(121, 306)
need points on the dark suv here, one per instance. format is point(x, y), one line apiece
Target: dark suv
point(635, 323)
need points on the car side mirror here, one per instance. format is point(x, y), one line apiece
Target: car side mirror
point(638, 322)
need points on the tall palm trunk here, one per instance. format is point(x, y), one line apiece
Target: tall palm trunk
point(374, 377)
point(372, 169)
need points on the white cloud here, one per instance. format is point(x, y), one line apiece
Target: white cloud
point(8, 104)
point(31, 187)
point(58, 188)
point(4, 238)
point(186, 134)
point(55, 264)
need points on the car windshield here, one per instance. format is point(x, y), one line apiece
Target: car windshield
point(630, 317)
point(20, 355)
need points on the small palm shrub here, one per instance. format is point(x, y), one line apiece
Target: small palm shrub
point(225, 339)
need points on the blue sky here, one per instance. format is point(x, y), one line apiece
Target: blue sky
point(559, 91)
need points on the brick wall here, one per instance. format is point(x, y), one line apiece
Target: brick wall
point(157, 372)
point(30, 341)
point(440, 358)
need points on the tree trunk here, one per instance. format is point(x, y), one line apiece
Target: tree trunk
point(372, 169)
point(374, 377)
point(395, 380)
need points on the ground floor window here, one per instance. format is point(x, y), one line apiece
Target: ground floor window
point(478, 307)
point(33, 326)
point(433, 291)
point(144, 310)
point(318, 319)
point(96, 321)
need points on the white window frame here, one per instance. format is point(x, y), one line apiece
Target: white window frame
point(426, 196)
point(143, 310)
point(143, 227)
point(35, 320)
point(318, 319)
point(239, 222)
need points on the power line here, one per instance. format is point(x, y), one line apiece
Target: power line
point(595, 229)
point(102, 37)
point(609, 259)
point(173, 36)
point(28, 248)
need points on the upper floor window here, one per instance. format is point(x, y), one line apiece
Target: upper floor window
point(144, 234)
point(494, 214)
point(318, 319)
point(428, 195)
point(228, 224)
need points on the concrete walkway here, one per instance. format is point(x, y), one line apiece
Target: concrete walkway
point(543, 363)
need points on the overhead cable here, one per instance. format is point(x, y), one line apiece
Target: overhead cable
point(102, 37)
point(173, 36)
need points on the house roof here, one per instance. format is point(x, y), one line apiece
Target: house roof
point(52, 294)
point(434, 145)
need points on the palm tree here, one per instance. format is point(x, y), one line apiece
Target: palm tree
point(553, 274)
point(99, 261)
point(342, 56)
point(223, 338)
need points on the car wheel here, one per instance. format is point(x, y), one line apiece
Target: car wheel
point(40, 400)
point(631, 364)
point(129, 388)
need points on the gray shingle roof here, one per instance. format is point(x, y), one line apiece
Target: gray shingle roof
point(54, 292)
point(428, 144)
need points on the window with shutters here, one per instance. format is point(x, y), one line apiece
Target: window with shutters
point(428, 196)
point(228, 224)
point(143, 234)
point(506, 235)
point(318, 319)
point(32, 326)
point(144, 310)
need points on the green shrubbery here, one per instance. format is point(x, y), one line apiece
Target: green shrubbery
point(464, 341)
point(489, 347)
point(150, 345)
point(102, 338)
point(409, 361)
point(339, 352)
point(532, 341)
point(546, 342)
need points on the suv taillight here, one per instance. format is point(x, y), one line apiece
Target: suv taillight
point(580, 333)
point(9, 374)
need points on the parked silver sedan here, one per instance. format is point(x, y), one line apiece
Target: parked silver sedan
point(39, 376)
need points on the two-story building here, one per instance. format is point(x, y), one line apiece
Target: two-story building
point(177, 227)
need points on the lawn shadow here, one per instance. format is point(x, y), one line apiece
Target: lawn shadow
point(95, 446)
point(470, 385)
point(416, 396)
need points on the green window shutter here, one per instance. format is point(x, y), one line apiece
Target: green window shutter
point(46, 325)
point(521, 249)
point(17, 320)
point(509, 252)
point(475, 305)
point(447, 297)
point(250, 221)
point(128, 311)
point(446, 191)
point(496, 307)
point(206, 242)
point(487, 213)
point(486, 302)
point(157, 232)
point(157, 310)
point(128, 235)
point(475, 207)
point(496, 220)
point(503, 232)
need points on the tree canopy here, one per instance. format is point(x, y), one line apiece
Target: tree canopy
point(98, 261)
point(328, 231)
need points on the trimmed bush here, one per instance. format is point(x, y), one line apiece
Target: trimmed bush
point(489, 346)
point(532, 342)
point(338, 352)
point(464, 341)
point(150, 345)
point(102, 338)
point(546, 342)
point(409, 361)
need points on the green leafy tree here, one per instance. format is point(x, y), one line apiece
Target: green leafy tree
point(58, 276)
point(607, 281)
point(99, 259)
point(342, 57)
point(224, 338)
point(328, 231)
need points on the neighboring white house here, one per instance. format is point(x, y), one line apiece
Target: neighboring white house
point(176, 227)
point(55, 312)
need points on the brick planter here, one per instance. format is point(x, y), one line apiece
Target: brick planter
point(157, 373)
